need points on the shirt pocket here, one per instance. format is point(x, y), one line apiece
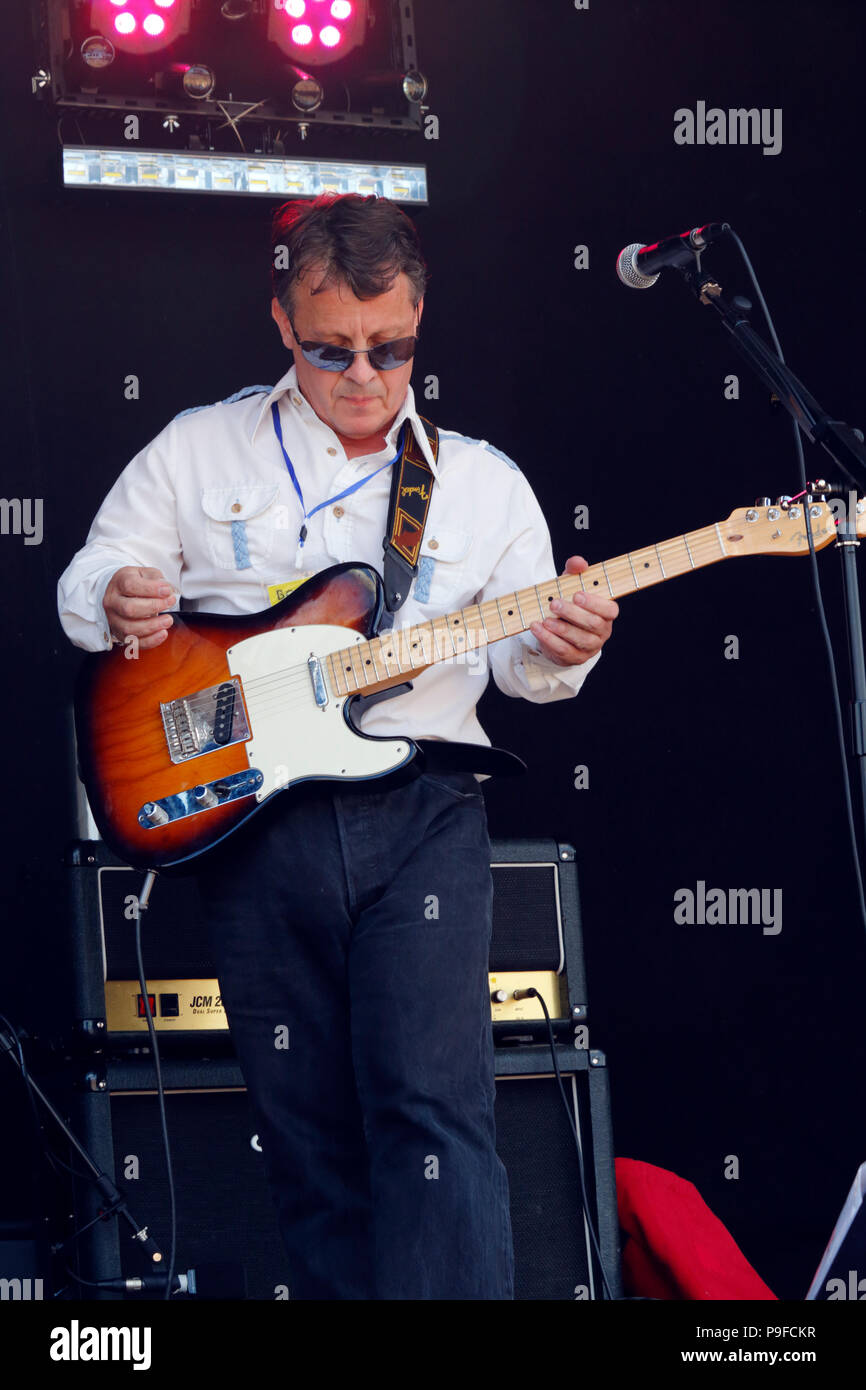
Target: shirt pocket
point(443, 568)
point(240, 523)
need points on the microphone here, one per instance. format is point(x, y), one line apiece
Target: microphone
point(219, 1279)
point(638, 266)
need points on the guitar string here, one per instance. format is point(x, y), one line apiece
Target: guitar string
point(432, 651)
point(295, 677)
point(290, 677)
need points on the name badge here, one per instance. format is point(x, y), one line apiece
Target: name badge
point(277, 592)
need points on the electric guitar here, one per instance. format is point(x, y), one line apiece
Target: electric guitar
point(182, 743)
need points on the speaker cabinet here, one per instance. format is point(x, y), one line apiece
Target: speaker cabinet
point(554, 1256)
point(225, 1215)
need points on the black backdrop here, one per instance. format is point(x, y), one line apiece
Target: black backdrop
point(555, 130)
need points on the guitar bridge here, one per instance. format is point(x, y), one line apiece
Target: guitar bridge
point(205, 721)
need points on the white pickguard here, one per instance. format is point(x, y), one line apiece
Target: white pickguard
point(292, 737)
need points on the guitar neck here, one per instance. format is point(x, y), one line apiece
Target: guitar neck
point(396, 655)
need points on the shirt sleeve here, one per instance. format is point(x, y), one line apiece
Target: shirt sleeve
point(136, 525)
point(518, 666)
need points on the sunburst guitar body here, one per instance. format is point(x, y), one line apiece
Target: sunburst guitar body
point(180, 744)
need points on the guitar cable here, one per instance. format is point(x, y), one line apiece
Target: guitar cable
point(143, 900)
point(587, 1212)
point(819, 601)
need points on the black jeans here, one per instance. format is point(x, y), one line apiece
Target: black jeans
point(351, 930)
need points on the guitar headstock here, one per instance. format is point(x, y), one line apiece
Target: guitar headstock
point(771, 529)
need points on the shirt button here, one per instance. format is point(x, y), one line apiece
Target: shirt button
point(296, 400)
point(434, 545)
point(236, 506)
point(332, 452)
point(338, 511)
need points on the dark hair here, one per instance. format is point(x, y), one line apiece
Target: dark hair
point(364, 243)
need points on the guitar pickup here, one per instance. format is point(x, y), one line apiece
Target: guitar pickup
point(225, 707)
point(205, 721)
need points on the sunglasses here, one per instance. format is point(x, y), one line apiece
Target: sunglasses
point(384, 357)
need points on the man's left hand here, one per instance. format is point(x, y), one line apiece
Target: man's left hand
point(577, 628)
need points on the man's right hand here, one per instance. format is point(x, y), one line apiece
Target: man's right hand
point(132, 602)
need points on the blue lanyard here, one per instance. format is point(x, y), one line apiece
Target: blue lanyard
point(345, 493)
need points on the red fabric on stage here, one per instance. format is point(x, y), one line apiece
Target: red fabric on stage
point(677, 1248)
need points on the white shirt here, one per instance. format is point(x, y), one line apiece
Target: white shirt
point(210, 503)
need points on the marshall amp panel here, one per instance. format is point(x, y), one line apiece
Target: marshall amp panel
point(176, 1006)
point(536, 944)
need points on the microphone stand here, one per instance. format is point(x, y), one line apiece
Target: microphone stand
point(844, 446)
point(115, 1204)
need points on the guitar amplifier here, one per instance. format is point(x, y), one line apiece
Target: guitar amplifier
point(227, 1223)
point(536, 941)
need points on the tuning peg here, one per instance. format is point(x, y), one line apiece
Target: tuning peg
point(784, 502)
point(762, 502)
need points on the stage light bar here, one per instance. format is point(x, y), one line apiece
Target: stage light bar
point(314, 32)
point(140, 26)
point(202, 172)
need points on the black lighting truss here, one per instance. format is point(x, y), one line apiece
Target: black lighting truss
point(254, 79)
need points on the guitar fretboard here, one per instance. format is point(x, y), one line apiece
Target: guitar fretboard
point(397, 654)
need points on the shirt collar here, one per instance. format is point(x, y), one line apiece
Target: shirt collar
point(288, 386)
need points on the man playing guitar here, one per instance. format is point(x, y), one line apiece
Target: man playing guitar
point(351, 920)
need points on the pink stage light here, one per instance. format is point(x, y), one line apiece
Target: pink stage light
point(318, 40)
point(142, 26)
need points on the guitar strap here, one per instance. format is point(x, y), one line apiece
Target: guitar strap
point(411, 488)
